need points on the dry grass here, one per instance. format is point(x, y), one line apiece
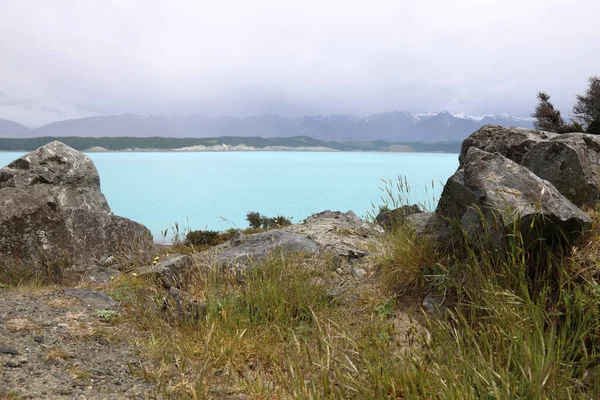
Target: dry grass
point(521, 324)
point(268, 332)
point(56, 354)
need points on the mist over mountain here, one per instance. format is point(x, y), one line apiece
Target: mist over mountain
point(388, 126)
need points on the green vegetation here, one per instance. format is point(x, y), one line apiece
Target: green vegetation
point(162, 143)
point(586, 111)
point(207, 238)
point(257, 221)
point(512, 323)
point(517, 323)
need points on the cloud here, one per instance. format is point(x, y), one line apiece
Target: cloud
point(293, 57)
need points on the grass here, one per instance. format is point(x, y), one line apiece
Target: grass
point(520, 322)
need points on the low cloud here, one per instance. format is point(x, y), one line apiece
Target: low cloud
point(64, 59)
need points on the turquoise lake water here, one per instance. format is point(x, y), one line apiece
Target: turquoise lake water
point(197, 189)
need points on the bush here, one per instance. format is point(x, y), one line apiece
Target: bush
point(200, 237)
point(255, 219)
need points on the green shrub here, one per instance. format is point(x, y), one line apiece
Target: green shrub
point(262, 221)
point(255, 219)
point(201, 237)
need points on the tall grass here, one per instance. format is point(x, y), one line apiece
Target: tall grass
point(398, 192)
point(519, 322)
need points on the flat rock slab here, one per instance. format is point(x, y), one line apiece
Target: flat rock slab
point(257, 247)
point(342, 233)
point(92, 298)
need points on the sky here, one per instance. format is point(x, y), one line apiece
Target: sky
point(66, 59)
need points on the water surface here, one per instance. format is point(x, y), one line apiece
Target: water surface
point(215, 190)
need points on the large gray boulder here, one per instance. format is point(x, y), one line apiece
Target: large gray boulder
point(512, 143)
point(571, 162)
point(490, 194)
point(52, 211)
point(59, 172)
point(257, 247)
point(434, 228)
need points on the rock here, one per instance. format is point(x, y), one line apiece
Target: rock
point(358, 272)
point(171, 270)
point(92, 298)
point(12, 364)
point(433, 304)
point(238, 238)
point(347, 218)
point(58, 172)
point(101, 275)
point(9, 351)
point(52, 212)
point(392, 218)
point(38, 339)
point(186, 308)
point(434, 228)
point(110, 260)
point(260, 245)
point(512, 143)
point(344, 235)
point(571, 162)
point(507, 195)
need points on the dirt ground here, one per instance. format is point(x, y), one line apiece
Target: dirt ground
point(54, 346)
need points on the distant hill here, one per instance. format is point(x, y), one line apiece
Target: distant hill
point(393, 126)
point(223, 144)
point(13, 129)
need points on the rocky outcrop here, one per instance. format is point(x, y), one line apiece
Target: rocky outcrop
point(345, 235)
point(258, 246)
point(389, 219)
point(491, 195)
point(512, 143)
point(435, 228)
point(53, 211)
point(58, 172)
point(571, 162)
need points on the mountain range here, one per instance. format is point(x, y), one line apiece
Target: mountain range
point(390, 126)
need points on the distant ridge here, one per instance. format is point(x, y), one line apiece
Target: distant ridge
point(390, 126)
point(13, 129)
point(224, 143)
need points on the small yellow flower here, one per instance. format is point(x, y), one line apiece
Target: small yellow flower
point(133, 274)
point(156, 258)
point(112, 278)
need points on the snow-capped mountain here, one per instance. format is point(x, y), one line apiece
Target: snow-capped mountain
point(388, 126)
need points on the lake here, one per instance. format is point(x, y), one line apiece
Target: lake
point(215, 190)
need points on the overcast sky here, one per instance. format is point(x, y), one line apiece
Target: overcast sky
point(62, 59)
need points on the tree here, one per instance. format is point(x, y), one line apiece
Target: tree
point(547, 118)
point(574, 126)
point(587, 107)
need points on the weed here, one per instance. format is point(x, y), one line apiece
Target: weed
point(106, 315)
